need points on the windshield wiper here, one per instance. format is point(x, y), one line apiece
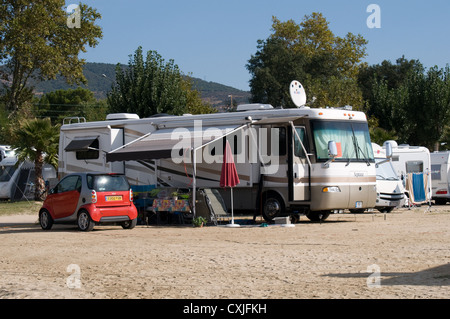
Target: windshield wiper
point(357, 147)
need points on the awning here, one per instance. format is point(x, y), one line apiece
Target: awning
point(277, 120)
point(163, 144)
point(80, 144)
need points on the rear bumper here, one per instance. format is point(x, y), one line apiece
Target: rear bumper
point(114, 219)
point(111, 214)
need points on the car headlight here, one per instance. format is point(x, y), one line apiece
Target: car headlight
point(331, 189)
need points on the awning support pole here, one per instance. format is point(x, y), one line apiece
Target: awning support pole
point(194, 179)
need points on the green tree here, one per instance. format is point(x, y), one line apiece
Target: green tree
point(428, 106)
point(393, 74)
point(152, 86)
point(194, 103)
point(272, 68)
point(69, 103)
point(36, 42)
point(37, 140)
point(311, 53)
point(417, 110)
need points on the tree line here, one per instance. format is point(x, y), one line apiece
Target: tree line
point(403, 100)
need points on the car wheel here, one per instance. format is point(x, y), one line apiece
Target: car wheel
point(45, 220)
point(85, 223)
point(129, 224)
point(273, 206)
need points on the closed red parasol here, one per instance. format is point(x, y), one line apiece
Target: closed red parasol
point(229, 176)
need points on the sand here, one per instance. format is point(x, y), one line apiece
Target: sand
point(401, 255)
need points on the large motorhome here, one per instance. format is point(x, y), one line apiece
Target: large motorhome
point(17, 178)
point(440, 176)
point(413, 165)
point(304, 160)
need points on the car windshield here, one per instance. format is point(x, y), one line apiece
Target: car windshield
point(106, 183)
point(385, 171)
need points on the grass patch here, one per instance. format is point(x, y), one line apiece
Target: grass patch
point(19, 208)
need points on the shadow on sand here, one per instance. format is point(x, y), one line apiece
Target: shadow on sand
point(436, 276)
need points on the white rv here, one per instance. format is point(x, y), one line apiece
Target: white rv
point(303, 160)
point(390, 190)
point(440, 176)
point(413, 165)
point(17, 179)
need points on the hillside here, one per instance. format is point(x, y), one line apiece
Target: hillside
point(100, 77)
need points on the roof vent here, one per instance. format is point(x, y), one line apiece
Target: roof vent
point(254, 106)
point(122, 116)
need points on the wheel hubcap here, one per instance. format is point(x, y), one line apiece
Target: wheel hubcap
point(272, 207)
point(44, 220)
point(83, 221)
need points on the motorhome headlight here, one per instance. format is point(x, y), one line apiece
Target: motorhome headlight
point(331, 189)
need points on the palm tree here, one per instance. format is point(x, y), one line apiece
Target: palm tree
point(37, 140)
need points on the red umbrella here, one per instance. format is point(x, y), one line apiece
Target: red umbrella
point(229, 176)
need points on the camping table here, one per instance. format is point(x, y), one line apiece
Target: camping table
point(169, 206)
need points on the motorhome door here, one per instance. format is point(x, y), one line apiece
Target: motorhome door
point(299, 170)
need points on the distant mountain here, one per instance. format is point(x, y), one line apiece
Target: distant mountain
point(100, 77)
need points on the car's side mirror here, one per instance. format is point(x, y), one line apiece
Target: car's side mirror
point(52, 191)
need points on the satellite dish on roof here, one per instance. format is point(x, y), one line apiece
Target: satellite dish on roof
point(298, 94)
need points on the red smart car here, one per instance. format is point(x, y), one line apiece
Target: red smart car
point(88, 199)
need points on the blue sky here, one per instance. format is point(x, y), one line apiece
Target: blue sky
point(214, 39)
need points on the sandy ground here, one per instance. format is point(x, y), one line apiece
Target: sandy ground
point(404, 254)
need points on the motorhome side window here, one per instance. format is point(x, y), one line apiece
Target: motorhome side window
point(298, 149)
point(89, 154)
point(282, 138)
point(436, 171)
point(414, 167)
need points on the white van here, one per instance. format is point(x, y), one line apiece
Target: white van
point(390, 189)
point(440, 176)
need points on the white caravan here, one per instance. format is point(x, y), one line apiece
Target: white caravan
point(17, 179)
point(390, 190)
point(413, 165)
point(289, 161)
point(440, 176)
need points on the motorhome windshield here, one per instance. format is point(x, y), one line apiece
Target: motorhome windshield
point(385, 171)
point(6, 172)
point(352, 140)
